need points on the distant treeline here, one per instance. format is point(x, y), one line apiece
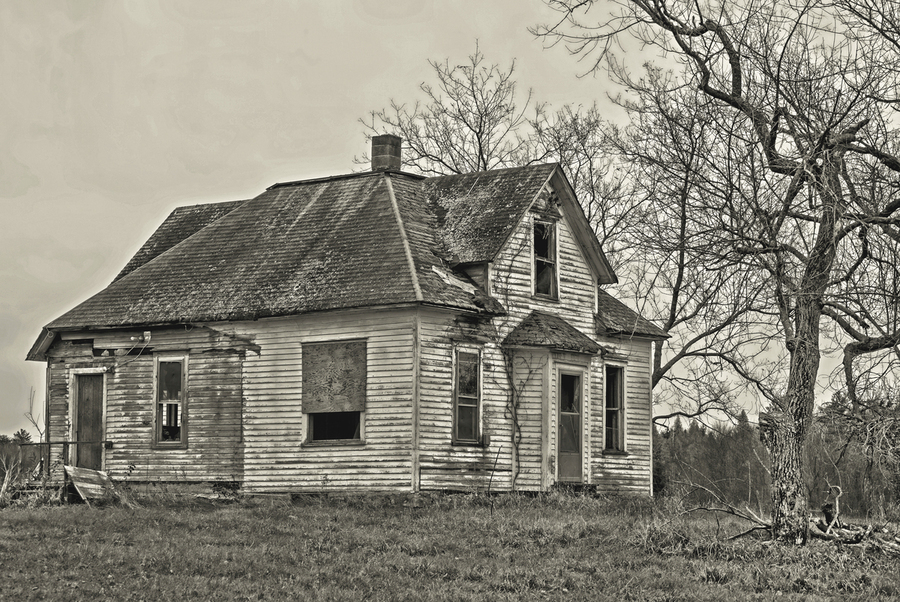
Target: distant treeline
point(733, 464)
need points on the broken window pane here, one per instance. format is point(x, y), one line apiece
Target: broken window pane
point(467, 396)
point(544, 260)
point(569, 393)
point(169, 401)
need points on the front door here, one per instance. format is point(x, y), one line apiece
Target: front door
point(570, 425)
point(89, 421)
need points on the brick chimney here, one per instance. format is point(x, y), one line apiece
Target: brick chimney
point(385, 152)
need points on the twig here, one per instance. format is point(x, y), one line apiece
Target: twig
point(749, 531)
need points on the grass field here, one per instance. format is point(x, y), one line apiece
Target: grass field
point(454, 547)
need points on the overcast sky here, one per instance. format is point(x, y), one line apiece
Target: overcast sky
point(114, 113)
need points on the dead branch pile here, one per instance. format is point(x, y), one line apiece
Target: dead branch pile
point(831, 528)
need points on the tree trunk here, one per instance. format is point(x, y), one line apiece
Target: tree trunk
point(790, 513)
point(790, 518)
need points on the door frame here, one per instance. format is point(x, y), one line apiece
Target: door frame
point(74, 373)
point(583, 372)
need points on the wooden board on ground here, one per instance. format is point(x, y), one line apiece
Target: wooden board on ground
point(90, 484)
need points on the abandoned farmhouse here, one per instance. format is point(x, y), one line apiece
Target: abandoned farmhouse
point(378, 331)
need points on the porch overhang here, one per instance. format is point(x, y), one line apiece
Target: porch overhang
point(541, 329)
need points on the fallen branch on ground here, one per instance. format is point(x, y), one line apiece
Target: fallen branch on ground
point(830, 529)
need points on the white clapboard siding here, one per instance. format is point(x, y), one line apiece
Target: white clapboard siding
point(512, 284)
point(443, 464)
point(632, 471)
point(276, 458)
point(245, 418)
point(213, 406)
point(531, 369)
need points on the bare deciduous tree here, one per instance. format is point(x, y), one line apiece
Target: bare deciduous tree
point(472, 120)
point(625, 194)
point(808, 89)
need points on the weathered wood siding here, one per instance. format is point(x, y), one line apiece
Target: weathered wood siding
point(245, 407)
point(276, 454)
point(632, 471)
point(213, 425)
point(64, 357)
point(443, 464)
point(531, 375)
point(525, 454)
point(511, 280)
point(511, 283)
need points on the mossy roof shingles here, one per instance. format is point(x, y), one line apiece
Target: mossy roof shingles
point(477, 212)
point(181, 223)
point(325, 244)
point(541, 329)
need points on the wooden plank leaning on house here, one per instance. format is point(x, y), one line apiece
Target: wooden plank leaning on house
point(91, 484)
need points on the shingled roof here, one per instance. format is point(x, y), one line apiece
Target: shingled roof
point(477, 212)
point(368, 239)
point(541, 329)
point(615, 318)
point(265, 257)
point(181, 223)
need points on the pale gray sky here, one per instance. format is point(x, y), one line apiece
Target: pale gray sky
point(114, 113)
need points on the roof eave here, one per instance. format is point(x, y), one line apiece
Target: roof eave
point(584, 235)
point(635, 335)
point(38, 351)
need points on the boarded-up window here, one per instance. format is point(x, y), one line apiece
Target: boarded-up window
point(334, 377)
point(467, 397)
point(615, 409)
point(545, 259)
point(334, 389)
point(170, 401)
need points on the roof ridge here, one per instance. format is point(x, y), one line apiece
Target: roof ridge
point(548, 164)
point(404, 238)
point(346, 176)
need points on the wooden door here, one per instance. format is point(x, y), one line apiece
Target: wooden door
point(89, 421)
point(570, 426)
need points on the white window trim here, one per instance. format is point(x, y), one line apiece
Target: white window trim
point(555, 225)
point(623, 422)
point(155, 442)
point(479, 435)
point(72, 418)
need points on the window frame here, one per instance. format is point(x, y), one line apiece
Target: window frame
point(620, 444)
point(478, 440)
point(157, 440)
point(307, 424)
point(551, 261)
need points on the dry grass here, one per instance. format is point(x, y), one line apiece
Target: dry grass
point(459, 547)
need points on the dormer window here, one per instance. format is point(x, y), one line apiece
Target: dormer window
point(545, 259)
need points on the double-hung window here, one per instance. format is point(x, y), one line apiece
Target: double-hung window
point(614, 430)
point(334, 390)
point(544, 246)
point(170, 415)
point(467, 396)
